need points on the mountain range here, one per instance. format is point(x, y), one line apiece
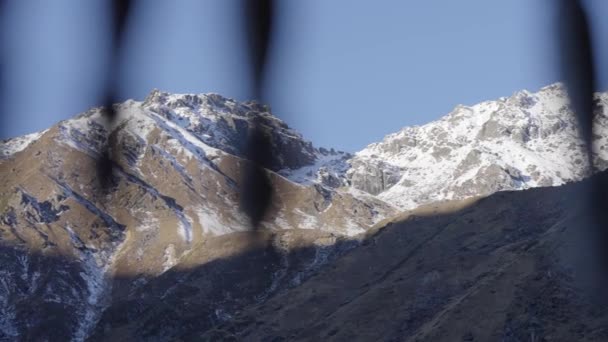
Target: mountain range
point(415, 230)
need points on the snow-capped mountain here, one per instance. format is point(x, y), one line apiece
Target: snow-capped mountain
point(74, 249)
point(175, 186)
point(524, 141)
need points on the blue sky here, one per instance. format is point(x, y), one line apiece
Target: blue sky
point(344, 73)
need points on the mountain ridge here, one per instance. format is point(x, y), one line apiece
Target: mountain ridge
point(540, 124)
point(523, 141)
point(175, 187)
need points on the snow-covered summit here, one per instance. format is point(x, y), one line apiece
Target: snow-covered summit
point(517, 142)
point(210, 119)
point(224, 123)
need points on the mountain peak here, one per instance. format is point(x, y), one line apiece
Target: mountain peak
point(522, 141)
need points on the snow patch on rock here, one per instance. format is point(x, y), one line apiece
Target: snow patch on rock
point(11, 146)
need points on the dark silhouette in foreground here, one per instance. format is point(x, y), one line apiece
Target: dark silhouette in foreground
point(578, 71)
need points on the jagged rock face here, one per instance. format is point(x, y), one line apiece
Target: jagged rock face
point(174, 185)
point(373, 176)
point(329, 169)
point(224, 124)
point(523, 141)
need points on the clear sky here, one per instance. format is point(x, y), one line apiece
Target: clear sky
point(344, 73)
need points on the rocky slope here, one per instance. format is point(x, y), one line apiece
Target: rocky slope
point(165, 253)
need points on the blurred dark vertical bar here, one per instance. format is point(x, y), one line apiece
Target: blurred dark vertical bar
point(256, 189)
point(3, 116)
point(579, 76)
point(577, 64)
point(120, 13)
point(259, 24)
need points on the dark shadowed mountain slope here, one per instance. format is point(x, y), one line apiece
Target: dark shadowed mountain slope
point(505, 268)
point(502, 268)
